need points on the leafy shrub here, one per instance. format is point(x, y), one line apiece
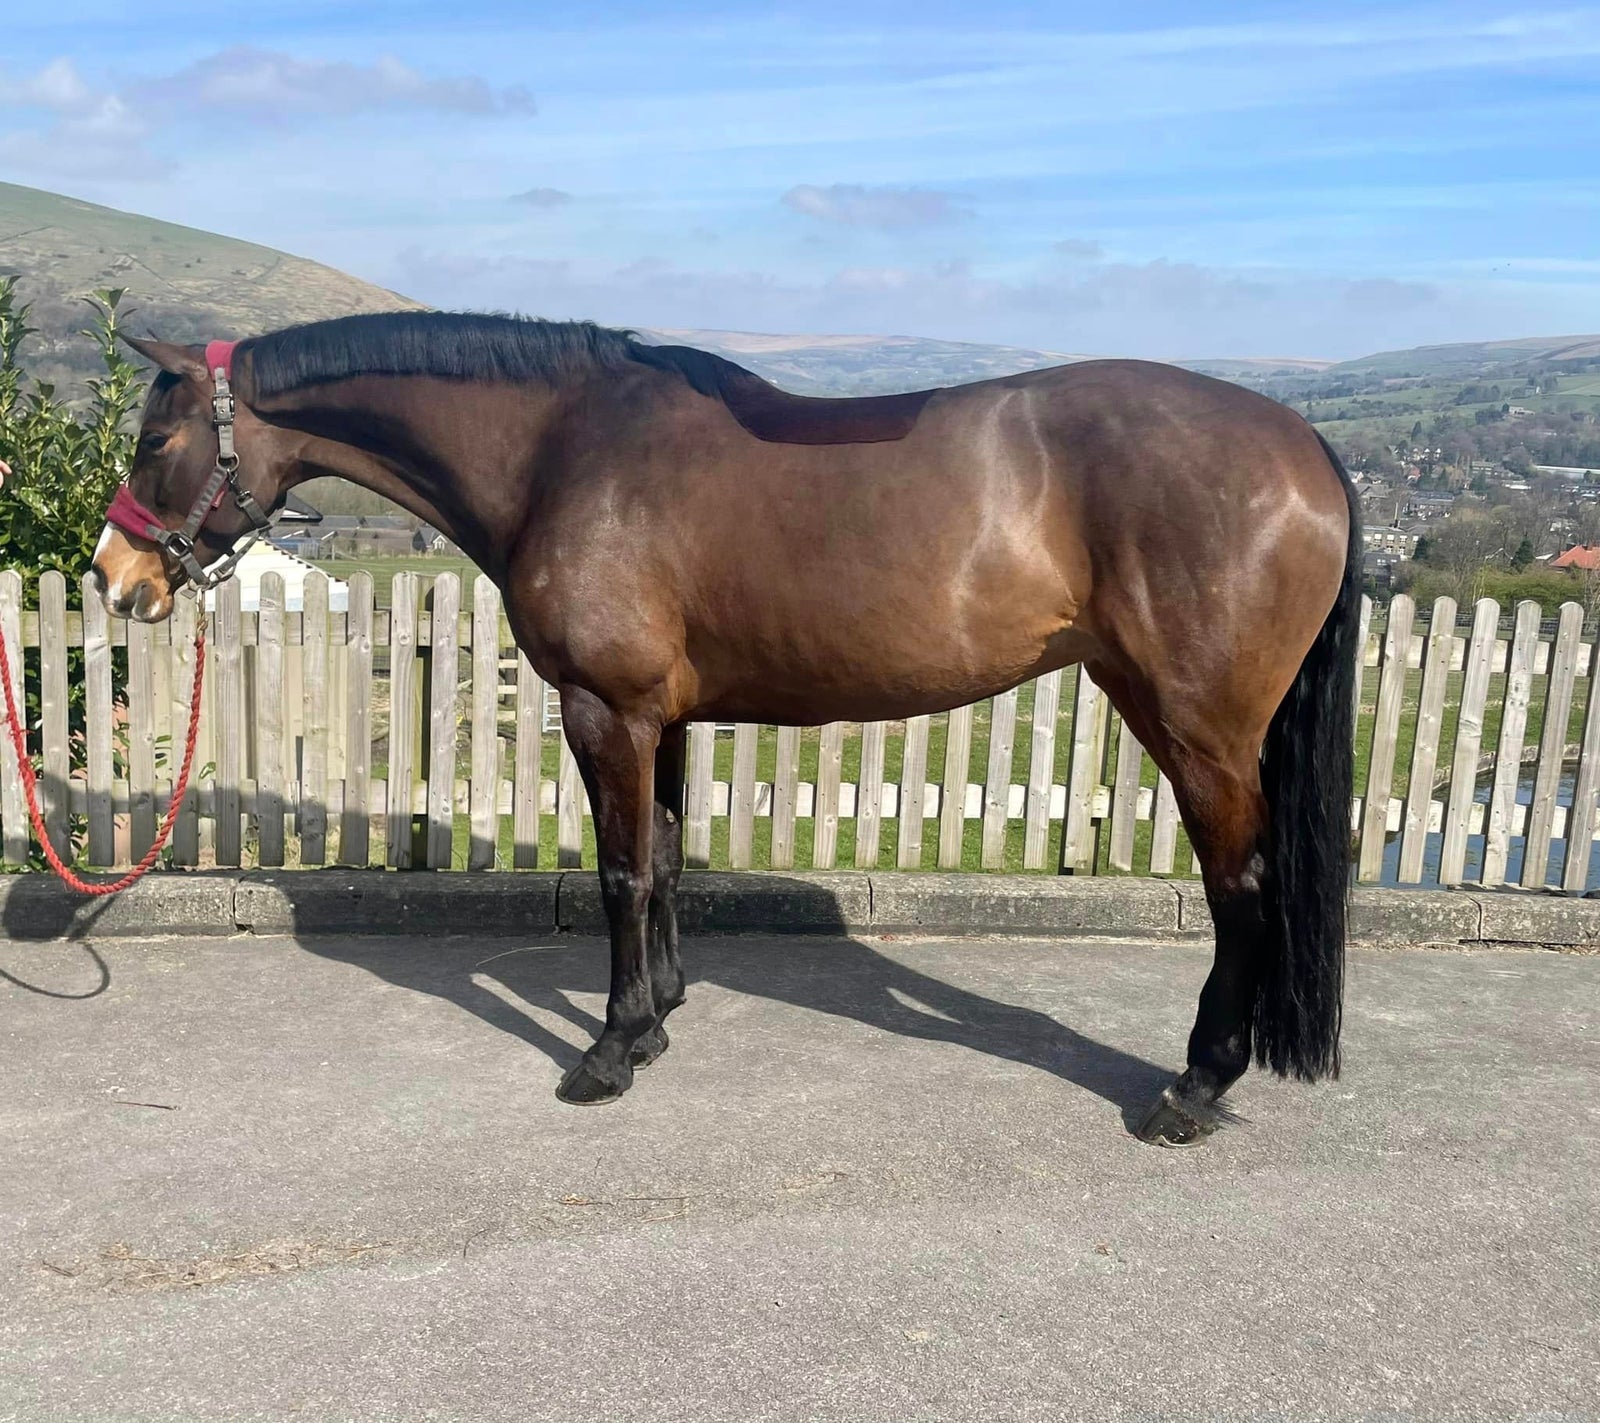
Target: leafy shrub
point(65, 460)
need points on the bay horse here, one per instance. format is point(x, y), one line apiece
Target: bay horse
point(678, 540)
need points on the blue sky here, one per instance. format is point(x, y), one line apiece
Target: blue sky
point(1280, 179)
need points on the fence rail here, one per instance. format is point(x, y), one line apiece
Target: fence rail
point(417, 735)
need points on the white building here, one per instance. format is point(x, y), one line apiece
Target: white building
point(262, 559)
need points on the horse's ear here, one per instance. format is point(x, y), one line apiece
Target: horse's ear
point(178, 360)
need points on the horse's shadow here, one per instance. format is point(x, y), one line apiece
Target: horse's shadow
point(839, 976)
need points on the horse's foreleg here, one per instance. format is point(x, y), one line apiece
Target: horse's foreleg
point(616, 757)
point(666, 968)
point(1226, 815)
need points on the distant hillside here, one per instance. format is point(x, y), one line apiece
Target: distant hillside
point(862, 365)
point(185, 284)
point(1254, 368)
point(1472, 358)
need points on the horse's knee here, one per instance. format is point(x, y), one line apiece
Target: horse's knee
point(625, 889)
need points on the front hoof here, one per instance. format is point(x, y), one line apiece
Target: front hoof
point(1173, 1122)
point(590, 1086)
point(649, 1047)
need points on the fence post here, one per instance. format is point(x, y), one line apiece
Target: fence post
point(953, 794)
point(1469, 737)
point(785, 797)
point(1425, 751)
point(869, 794)
point(97, 722)
point(355, 819)
point(442, 659)
point(1580, 820)
point(697, 805)
point(1083, 776)
point(314, 720)
point(742, 798)
point(57, 764)
point(913, 792)
point(1164, 829)
point(186, 829)
point(228, 650)
point(141, 738)
point(1563, 672)
point(270, 721)
point(569, 807)
point(13, 804)
point(1385, 735)
point(402, 716)
point(825, 813)
point(1513, 734)
point(528, 766)
point(1041, 769)
point(1125, 799)
point(484, 802)
point(997, 780)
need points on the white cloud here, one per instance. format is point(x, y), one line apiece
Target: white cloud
point(543, 198)
point(271, 84)
point(58, 86)
point(91, 134)
point(857, 205)
point(1080, 249)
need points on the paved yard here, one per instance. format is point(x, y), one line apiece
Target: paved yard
point(261, 1179)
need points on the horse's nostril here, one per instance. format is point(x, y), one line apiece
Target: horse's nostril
point(98, 574)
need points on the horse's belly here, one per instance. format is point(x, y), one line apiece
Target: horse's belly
point(878, 683)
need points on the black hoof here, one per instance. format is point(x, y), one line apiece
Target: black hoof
point(589, 1086)
point(649, 1047)
point(1175, 1122)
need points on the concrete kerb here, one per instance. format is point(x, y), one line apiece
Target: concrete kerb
point(345, 901)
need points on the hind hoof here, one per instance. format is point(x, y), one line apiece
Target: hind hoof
point(649, 1047)
point(1172, 1122)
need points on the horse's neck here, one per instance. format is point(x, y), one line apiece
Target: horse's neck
point(444, 460)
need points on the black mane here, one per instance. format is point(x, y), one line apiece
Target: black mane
point(475, 346)
point(449, 344)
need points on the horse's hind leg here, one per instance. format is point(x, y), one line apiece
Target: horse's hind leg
point(1226, 816)
point(666, 968)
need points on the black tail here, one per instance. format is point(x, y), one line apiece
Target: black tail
point(1308, 775)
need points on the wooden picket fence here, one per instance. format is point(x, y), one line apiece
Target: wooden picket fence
point(417, 735)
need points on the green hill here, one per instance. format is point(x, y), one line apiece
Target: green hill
point(185, 284)
point(1464, 359)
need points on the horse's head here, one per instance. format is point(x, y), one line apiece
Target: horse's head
point(185, 503)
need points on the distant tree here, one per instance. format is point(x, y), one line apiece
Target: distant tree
point(1420, 553)
point(1416, 431)
point(1464, 549)
point(1523, 556)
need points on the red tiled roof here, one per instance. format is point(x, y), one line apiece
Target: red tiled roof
point(1584, 556)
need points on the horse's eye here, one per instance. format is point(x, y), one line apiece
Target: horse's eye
point(152, 443)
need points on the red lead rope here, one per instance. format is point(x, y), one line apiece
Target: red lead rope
point(30, 781)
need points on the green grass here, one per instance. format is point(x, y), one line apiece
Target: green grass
point(383, 567)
